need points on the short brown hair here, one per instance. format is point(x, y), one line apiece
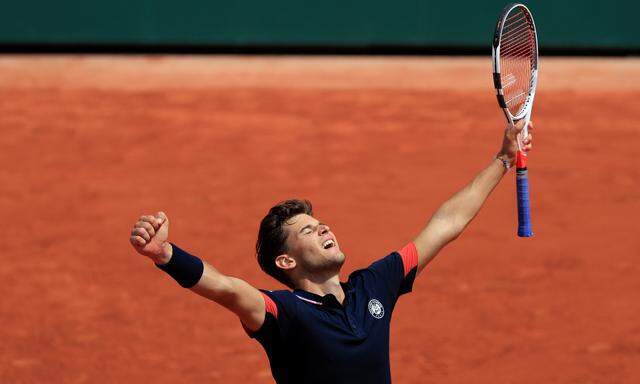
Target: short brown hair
point(272, 239)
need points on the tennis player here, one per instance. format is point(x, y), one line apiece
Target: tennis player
point(323, 330)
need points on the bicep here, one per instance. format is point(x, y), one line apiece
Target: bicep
point(235, 294)
point(247, 303)
point(438, 233)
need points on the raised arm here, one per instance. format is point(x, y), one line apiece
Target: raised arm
point(149, 237)
point(456, 213)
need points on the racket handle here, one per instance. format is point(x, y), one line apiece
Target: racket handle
point(522, 186)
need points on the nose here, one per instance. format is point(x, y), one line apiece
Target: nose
point(323, 229)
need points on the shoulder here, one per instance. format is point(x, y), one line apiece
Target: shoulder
point(394, 272)
point(280, 303)
point(399, 262)
point(378, 268)
point(382, 264)
point(280, 311)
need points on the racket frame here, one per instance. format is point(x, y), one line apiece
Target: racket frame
point(524, 223)
point(525, 111)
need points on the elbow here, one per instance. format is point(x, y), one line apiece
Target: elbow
point(454, 235)
point(452, 223)
point(458, 226)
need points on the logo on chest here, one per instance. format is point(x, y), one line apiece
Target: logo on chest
point(376, 309)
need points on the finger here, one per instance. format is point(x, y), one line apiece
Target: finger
point(527, 139)
point(142, 233)
point(145, 217)
point(519, 126)
point(527, 147)
point(161, 217)
point(138, 241)
point(530, 126)
point(151, 220)
point(146, 225)
point(511, 132)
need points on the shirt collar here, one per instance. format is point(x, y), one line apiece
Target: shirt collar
point(321, 300)
point(308, 296)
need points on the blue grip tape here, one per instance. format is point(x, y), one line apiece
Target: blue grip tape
point(524, 213)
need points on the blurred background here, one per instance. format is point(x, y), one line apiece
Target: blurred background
point(407, 26)
point(375, 111)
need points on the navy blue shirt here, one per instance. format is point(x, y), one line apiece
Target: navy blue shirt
point(314, 339)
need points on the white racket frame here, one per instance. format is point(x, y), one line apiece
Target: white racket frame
point(525, 111)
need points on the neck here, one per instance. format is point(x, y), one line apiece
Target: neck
point(323, 287)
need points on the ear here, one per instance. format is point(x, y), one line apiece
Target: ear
point(285, 262)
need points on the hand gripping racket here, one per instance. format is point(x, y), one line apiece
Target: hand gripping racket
point(515, 75)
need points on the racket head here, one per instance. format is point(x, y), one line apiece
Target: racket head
point(515, 61)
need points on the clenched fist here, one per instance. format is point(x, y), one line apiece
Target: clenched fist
point(513, 141)
point(149, 237)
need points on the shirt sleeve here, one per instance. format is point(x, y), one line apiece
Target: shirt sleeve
point(278, 313)
point(398, 270)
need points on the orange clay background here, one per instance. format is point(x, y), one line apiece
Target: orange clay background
point(90, 143)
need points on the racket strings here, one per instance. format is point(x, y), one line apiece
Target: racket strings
point(517, 58)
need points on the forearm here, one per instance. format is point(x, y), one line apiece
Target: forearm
point(214, 285)
point(192, 272)
point(462, 207)
point(455, 214)
point(150, 238)
point(202, 278)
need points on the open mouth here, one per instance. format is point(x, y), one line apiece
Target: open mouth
point(328, 244)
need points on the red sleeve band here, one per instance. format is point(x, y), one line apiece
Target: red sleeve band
point(270, 305)
point(409, 255)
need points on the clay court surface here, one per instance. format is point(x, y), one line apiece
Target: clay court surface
point(90, 143)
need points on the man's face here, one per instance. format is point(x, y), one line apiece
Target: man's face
point(313, 245)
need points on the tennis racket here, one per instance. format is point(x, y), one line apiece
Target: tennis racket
point(515, 75)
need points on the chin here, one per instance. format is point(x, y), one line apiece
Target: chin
point(334, 259)
point(340, 258)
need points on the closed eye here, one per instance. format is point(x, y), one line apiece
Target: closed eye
point(307, 229)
